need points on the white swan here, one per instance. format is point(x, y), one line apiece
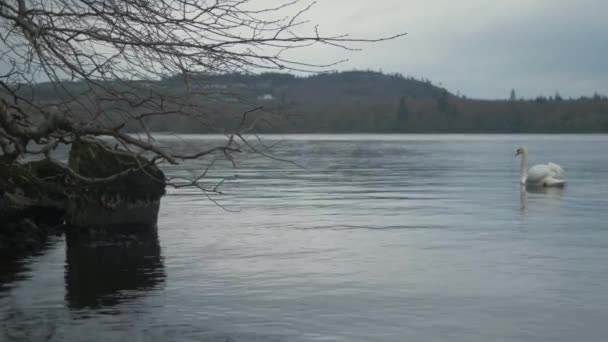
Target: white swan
point(540, 175)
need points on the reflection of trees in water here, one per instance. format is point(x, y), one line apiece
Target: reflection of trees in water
point(11, 271)
point(100, 272)
point(14, 268)
point(19, 322)
point(104, 272)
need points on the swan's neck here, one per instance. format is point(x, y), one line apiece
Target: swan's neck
point(524, 168)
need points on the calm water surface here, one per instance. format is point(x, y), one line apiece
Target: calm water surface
point(376, 238)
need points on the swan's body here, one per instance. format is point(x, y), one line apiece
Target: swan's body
point(540, 175)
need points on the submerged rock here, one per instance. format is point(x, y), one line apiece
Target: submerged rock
point(131, 200)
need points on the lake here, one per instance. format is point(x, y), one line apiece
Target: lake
point(367, 238)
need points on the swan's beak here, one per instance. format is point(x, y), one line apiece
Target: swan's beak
point(517, 153)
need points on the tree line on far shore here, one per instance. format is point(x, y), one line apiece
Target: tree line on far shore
point(360, 102)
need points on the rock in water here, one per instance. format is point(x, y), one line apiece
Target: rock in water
point(129, 202)
point(32, 204)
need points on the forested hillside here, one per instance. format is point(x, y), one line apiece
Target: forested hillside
point(355, 101)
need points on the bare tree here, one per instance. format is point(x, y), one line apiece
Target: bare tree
point(94, 55)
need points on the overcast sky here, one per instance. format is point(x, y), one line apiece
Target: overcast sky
point(480, 48)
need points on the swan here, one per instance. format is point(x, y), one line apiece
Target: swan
point(548, 175)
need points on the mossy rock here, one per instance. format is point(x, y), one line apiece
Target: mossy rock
point(32, 204)
point(15, 178)
point(50, 177)
point(131, 200)
point(33, 190)
point(96, 159)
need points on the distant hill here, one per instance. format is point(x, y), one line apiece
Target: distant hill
point(359, 101)
point(321, 87)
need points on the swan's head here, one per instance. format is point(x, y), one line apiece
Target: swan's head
point(521, 150)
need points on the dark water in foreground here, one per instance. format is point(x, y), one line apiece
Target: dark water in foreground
point(380, 238)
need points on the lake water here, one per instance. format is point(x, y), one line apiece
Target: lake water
point(373, 238)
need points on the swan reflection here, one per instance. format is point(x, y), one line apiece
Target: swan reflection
point(548, 195)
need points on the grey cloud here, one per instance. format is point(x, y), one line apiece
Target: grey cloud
point(482, 48)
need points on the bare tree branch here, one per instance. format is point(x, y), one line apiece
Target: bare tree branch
point(81, 68)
